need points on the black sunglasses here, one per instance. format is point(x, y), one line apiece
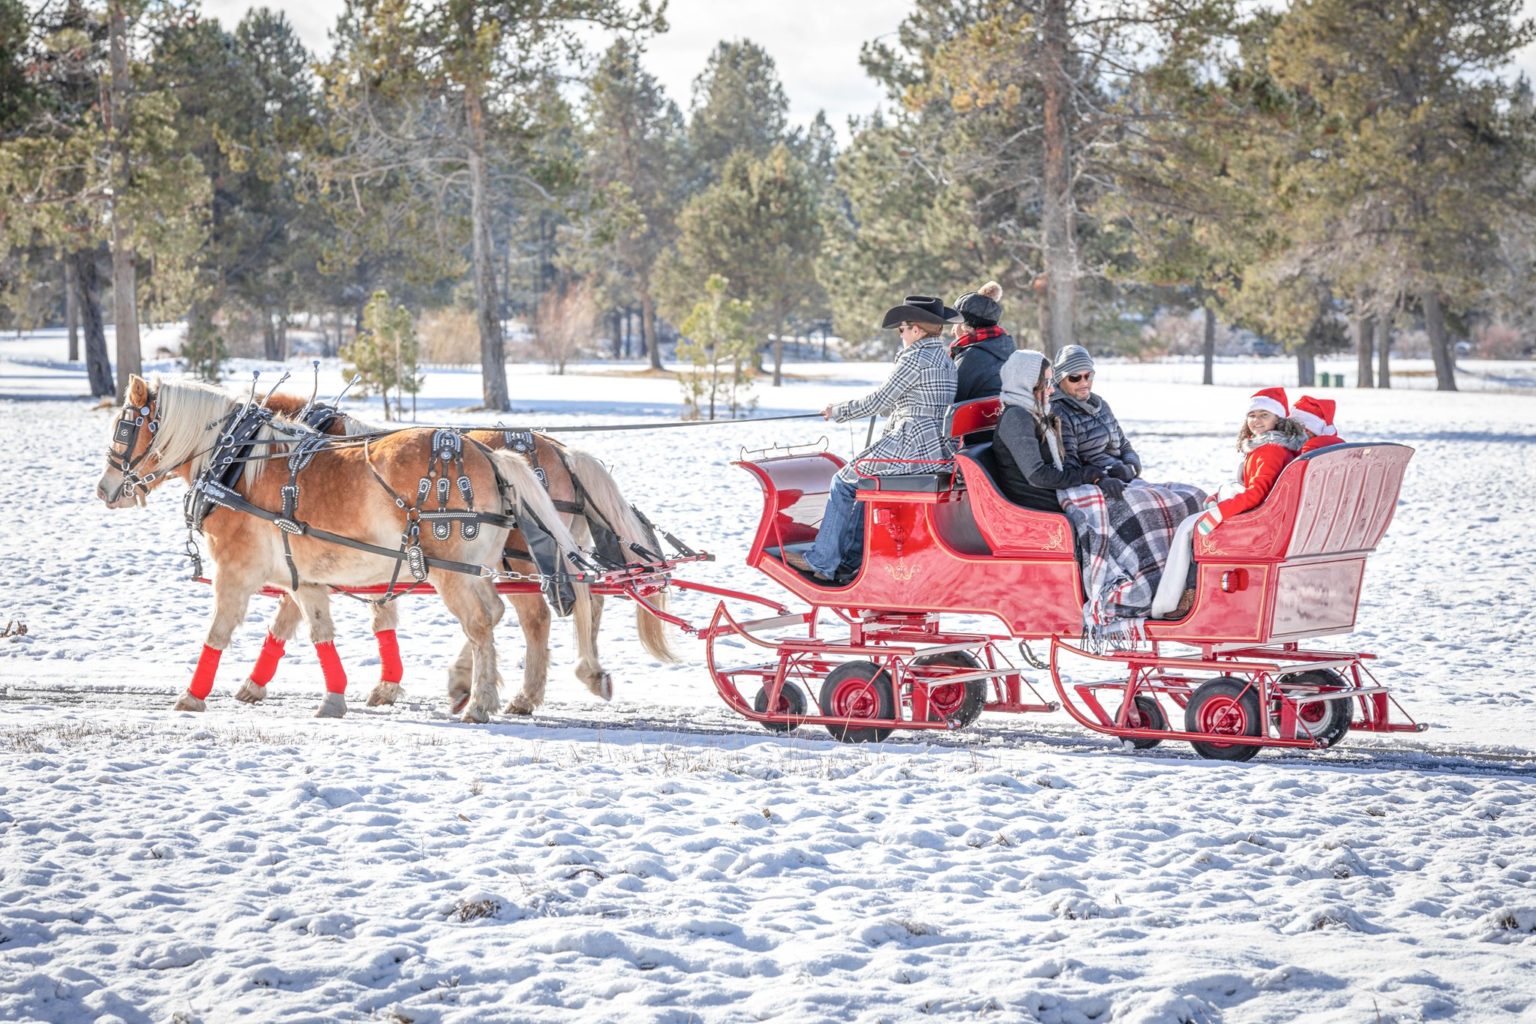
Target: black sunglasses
point(1073, 378)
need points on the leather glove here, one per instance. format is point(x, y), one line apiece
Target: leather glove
point(1208, 522)
point(1113, 487)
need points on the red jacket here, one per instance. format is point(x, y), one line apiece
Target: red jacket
point(1260, 471)
point(1320, 441)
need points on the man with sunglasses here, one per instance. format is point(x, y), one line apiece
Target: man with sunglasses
point(1090, 434)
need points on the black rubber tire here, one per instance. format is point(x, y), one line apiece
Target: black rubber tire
point(858, 689)
point(1333, 717)
point(1149, 716)
point(792, 701)
point(948, 701)
point(1225, 705)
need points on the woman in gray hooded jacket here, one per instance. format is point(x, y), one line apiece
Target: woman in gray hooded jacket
point(1027, 441)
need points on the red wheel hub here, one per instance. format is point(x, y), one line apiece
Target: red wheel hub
point(1223, 716)
point(855, 698)
point(946, 699)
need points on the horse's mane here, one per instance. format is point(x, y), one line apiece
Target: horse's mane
point(191, 415)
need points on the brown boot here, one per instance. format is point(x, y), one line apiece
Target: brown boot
point(796, 560)
point(1186, 602)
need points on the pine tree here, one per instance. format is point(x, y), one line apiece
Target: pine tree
point(385, 354)
point(717, 349)
point(758, 225)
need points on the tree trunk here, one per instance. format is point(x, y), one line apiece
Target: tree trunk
point(618, 333)
point(1364, 335)
point(778, 357)
point(1383, 346)
point(282, 335)
point(71, 310)
point(1439, 343)
point(125, 313)
point(1208, 347)
point(493, 355)
point(98, 368)
point(1306, 365)
point(648, 328)
point(1060, 246)
point(269, 338)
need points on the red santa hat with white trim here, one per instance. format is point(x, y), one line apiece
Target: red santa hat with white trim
point(1270, 400)
point(1315, 414)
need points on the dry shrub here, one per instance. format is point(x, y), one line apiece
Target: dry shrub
point(566, 323)
point(1499, 341)
point(449, 335)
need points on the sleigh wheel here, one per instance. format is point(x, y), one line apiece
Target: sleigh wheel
point(1327, 720)
point(1224, 706)
point(858, 689)
point(791, 702)
point(1146, 714)
point(959, 703)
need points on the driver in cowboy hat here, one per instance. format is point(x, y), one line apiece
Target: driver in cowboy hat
point(915, 398)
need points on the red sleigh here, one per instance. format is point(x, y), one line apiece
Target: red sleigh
point(878, 652)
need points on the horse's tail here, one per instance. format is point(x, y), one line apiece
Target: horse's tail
point(603, 493)
point(521, 487)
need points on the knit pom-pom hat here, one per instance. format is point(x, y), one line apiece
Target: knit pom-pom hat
point(982, 307)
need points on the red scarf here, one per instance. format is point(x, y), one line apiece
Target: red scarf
point(973, 336)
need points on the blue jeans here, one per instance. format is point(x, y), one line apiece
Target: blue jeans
point(841, 536)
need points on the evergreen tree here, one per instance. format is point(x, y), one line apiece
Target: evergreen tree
point(739, 105)
point(445, 73)
point(633, 177)
point(758, 225)
point(717, 349)
point(1424, 153)
point(385, 354)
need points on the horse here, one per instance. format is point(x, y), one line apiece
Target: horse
point(343, 516)
point(587, 498)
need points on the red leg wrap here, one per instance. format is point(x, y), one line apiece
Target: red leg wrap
point(390, 669)
point(207, 667)
point(266, 664)
point(330, 664)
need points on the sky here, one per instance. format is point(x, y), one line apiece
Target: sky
point(814, 43)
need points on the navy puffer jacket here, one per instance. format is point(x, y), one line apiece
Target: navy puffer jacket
point(1090, 434)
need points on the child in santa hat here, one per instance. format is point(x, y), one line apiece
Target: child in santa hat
point(1315, 416)
point(1268, 440)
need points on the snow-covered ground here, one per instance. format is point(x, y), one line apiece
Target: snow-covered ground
point(658, 859)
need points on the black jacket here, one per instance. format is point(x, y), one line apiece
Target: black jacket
point(1090, 434)
point(1024, 468)
point(978, 364)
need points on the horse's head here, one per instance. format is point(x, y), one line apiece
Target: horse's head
point(132, 466)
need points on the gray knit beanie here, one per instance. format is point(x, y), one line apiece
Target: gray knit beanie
point(1070, 360)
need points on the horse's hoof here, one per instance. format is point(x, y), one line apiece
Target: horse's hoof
point(334, 706)
point(457, 703)
point(384, 693)
point(475, 716)
point(251, 693)
point(602, 686)
point(518, 706)
point(191, 703)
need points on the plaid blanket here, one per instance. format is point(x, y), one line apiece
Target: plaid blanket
point(1123, 546)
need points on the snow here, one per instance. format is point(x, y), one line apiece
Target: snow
point(659, 859)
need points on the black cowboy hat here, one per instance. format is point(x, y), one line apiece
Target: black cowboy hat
point(920, 309)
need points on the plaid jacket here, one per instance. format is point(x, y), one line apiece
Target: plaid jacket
point(918, 394)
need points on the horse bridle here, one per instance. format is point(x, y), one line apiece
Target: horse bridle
point(126, 434)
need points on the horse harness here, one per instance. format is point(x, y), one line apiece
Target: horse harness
point(217, 486)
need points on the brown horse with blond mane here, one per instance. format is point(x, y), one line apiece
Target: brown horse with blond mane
point(336, 517)
point(587, 498)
